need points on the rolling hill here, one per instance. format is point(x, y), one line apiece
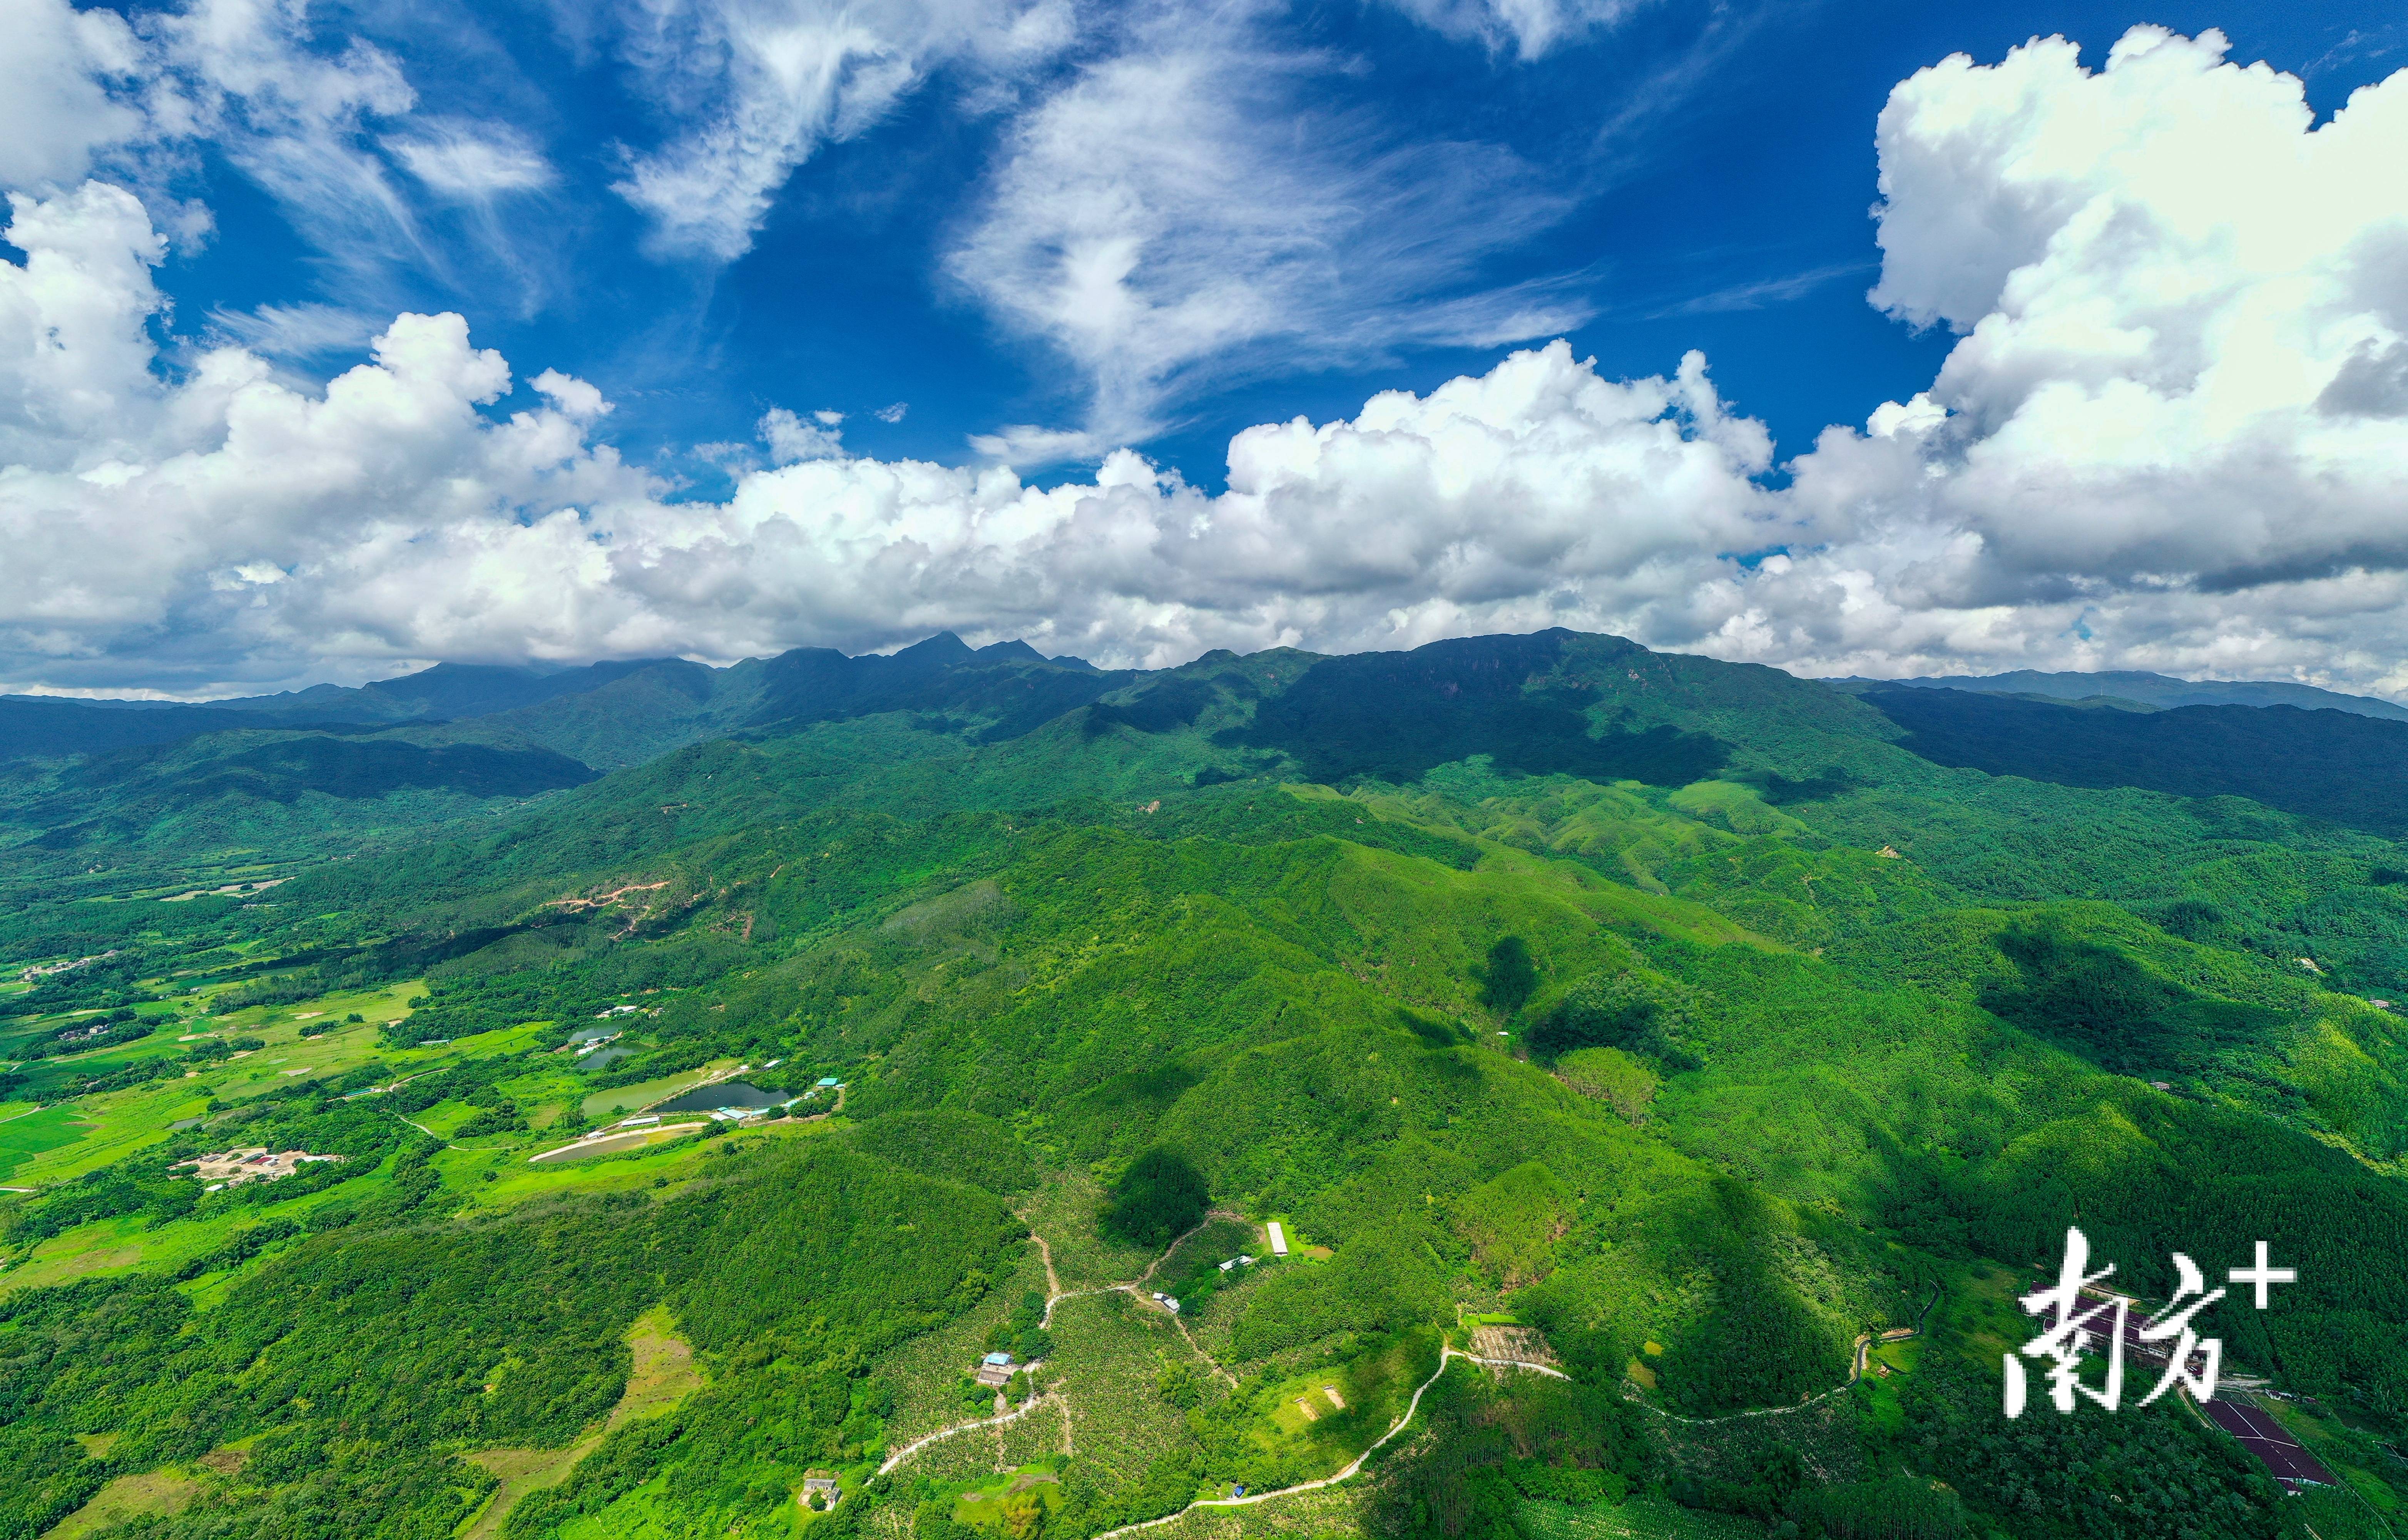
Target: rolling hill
point(1720, 1052)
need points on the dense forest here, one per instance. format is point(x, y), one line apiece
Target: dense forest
point(858, 1095)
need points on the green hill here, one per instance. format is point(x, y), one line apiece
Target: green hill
point(1725, 1045)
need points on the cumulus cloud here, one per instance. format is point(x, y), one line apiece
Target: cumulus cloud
point(1181, 210)
point(2171, 425)
point(57, 107)
point(2168, 437)
point(791, 438)
point(229, 525)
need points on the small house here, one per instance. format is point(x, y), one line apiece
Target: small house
point(828, 1083)
point(995, 1370)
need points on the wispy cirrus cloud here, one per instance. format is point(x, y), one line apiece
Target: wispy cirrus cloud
point(754, 88)
point(1757, 294)
point(474, 162)
point(1529, 27)
point(299, 331)
point(1183, 211)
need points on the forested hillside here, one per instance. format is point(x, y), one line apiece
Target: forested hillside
point(1715, 1054)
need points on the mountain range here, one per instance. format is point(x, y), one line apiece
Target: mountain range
point(706, 1072)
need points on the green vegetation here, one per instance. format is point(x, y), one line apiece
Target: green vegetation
point(1159, 1198)
point(1675, 1026)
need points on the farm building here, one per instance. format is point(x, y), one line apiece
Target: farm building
point(1278, 1237)
point(995, 1369)
point(232, 1168)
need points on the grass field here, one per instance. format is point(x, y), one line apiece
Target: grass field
point(30, 1133)
point(663, 1374)
point(626, 1098)
point(128, 1498)
point(116, 1244)
point(516, 1180)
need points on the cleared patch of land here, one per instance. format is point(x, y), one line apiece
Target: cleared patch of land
point(32, 1132)
point(151, 1494)
point(662, 1376)
point(618, 1144)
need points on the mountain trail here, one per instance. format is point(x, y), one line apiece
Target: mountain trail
point(1353, 1466)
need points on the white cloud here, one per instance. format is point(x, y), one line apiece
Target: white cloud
point(74, 356)
point(2168, 437)
point(296, 121)
point(791, 438)
point(1029, 445)
point(1530, 26)
point(2173, 408)
point(471, 161)
point(229, 525)
point(327, 125)
point(57, 108)
point(767, 82)
point(1181, 210)
point(295, 331)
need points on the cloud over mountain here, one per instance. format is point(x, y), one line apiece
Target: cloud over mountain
point(2169, 436)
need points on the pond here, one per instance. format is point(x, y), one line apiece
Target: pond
point(601, 1056)
point(727, 1093)
point(588, 1034)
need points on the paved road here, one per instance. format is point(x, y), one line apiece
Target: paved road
point(2258, 1433)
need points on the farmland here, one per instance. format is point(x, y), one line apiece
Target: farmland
point(1678, 1093)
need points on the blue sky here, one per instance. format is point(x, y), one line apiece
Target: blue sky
point(977, 233)
point(1705, 172)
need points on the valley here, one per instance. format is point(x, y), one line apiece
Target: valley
point(1665, 1076)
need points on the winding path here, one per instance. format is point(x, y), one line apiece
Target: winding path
point(1860, 1354)
point(908, 1450)
point(1353, 1466)
point(1056, 1294)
